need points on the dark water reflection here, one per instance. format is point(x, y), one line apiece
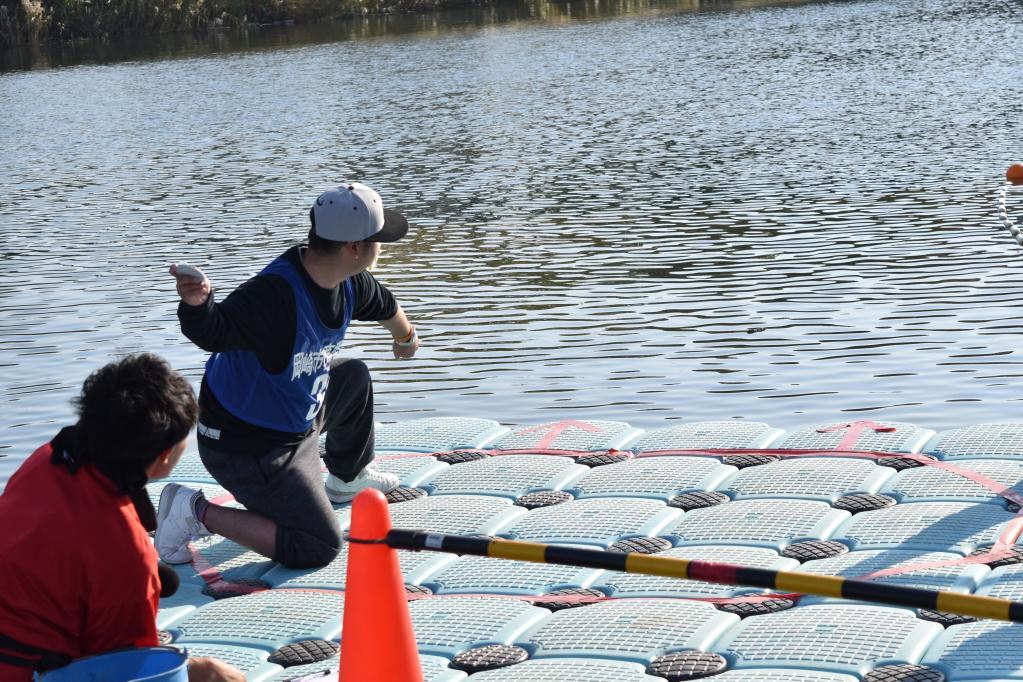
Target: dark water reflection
point(288, 34)
point(779, 213)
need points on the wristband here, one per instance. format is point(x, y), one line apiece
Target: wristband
point(406, 344)
point(408, 339)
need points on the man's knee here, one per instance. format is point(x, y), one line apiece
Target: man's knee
point(298, 548)
point(353, 373)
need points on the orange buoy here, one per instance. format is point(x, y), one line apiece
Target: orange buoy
point(1015, 174)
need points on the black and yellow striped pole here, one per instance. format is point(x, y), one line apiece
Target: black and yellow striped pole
point(709, 571)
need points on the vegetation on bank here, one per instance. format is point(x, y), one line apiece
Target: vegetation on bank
point(28, 21)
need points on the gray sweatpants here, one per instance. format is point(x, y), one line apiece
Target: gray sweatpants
point(285, 483)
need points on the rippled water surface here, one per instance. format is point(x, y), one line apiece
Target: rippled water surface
point(650, 213)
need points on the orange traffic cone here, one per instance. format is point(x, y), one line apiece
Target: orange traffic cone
point(377, 641)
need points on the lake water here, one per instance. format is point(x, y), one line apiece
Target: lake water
point(635, 212)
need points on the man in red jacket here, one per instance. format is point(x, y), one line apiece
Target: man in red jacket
point(78, 570)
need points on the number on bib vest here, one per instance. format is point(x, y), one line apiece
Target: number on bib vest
point(319, 393)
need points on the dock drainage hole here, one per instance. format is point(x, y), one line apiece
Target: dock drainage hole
point(488, 658)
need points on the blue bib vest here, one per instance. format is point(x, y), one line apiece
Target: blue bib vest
point(290, 400)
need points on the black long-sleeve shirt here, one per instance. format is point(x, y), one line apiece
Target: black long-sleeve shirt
point(260, 316)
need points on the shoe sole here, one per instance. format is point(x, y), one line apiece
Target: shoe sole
point(338, 498)
point(166, 500)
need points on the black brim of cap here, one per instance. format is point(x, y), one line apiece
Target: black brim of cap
point(395, 227)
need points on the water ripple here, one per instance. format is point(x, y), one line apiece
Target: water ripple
point(777, 213)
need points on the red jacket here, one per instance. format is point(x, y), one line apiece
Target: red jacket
point(77, 569)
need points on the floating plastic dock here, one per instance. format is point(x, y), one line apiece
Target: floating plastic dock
point(890, 502)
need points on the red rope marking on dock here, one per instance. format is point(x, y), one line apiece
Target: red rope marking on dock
point(854, 431)
point(213, 578)
point(554, 431)
point(222, 499)
point(999, 550)
point(980, 479)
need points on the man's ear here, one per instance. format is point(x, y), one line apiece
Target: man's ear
point(165, 456)
point(161, 462)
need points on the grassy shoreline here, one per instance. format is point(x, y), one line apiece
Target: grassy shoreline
point(41, 21)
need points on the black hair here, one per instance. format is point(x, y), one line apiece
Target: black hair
point(129, 412)
point(326, 247)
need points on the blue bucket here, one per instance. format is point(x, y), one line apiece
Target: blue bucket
point(152, 664)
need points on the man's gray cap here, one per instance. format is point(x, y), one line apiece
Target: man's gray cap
point(352, 212)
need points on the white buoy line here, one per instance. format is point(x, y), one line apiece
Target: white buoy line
point(1004, 215)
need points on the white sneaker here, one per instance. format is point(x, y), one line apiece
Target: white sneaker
point(176, 525)
point(341, 492)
